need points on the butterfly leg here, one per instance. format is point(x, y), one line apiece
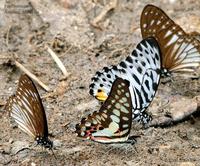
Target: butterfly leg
point(132, 139)
point(141, 117)
point(145, 118)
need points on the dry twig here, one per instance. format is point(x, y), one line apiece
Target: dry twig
point(8, 35)
point(58, 62)
point(2, 103)
point(32, 76)
point(103, 13)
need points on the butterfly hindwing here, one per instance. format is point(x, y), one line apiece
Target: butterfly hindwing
point(112, 123)
point(141, 69)
point(180, 51)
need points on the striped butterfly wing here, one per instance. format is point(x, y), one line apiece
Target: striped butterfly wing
point(141, 69)
point(180, 52)
point(112, 123)
point(26, 108)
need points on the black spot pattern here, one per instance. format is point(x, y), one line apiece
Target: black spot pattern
point(147, 84)
point(98, 73)
point(106, 69)
point(115, 68)
point(146, 51)
point(139, 47)
point(123, 64)
point(95, 79)
point(136, 78)
point(143, 63)
point(154, 61)
point(123, 71)
point(108, 75)
point(134, 53)
point(129, 59)
point(151, 76)
point(144, 43)
point(156, 56)
point(139, 69)
point(148, 60)
point(92, 85)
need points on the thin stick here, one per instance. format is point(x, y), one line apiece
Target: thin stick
point(2, 103)
point(7, 35)
point(58, 62)
point(32, 76)
point(103, 13)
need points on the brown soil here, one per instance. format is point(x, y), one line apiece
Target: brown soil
point(66, 26)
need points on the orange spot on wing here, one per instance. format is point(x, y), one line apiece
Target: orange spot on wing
point(102, 96)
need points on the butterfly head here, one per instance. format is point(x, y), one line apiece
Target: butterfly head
point(45, 142)
point(165, 72)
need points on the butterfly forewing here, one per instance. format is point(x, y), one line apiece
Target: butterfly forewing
point(112, 123)
point(27, 110)
point(180, 52)
point(141, 69)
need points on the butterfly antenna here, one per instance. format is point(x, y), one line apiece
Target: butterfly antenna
point(54, 154)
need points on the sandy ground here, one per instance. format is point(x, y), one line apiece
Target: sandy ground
point(67, 27)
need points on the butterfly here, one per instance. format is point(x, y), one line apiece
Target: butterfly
point(112, 123)
point(26, 108)
point(141, 69)
point(180, 52)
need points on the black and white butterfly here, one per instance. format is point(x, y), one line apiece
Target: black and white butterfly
point(26, 108)
point(180, 52)
point(141, 69)
point(112, 123)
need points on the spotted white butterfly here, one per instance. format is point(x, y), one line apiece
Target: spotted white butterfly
point(180, 52)
point(112, 123)
point(141, 69)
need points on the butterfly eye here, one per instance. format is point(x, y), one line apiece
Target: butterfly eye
point(141, 69)
point(26, 108)
point(180, 52)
